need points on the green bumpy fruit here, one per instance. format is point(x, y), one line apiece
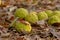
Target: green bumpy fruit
point(57, 13)
point(42, 15)
point(54, 19)
point(32, 17)
point(24, 27)
point(49, 13)
point(21, 13)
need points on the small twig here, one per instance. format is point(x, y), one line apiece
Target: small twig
point(14, 21)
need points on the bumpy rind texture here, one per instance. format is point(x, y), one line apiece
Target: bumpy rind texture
point(32, 17)
point(21, 13)
point(23, 27)
point(42, 15)
point(57, 13)
point(49, 13)
point(54, 19)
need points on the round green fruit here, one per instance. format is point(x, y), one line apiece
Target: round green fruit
point(57, 13)
point(49, 13)
point(54, 19)
point(24, 27)
point(21, 13)
point(42, 15)
point(32, 17)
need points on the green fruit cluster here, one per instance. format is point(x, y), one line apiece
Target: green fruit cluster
point(55, 18)
point(33, 17)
